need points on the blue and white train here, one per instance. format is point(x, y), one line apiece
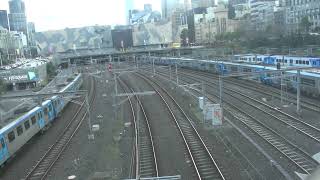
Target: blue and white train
point(310, 82)
point(15, 134)
point(275, 59)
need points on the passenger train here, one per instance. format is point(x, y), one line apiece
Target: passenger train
point(14, 135)
point(310, 82)
point(282, 60)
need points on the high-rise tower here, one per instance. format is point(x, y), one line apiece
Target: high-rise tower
point(17, 16)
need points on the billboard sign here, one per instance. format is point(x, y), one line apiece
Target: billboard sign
point(208, 112)
point(32, 76)
point(29, 76)
point(15, 78)
point(213, 114)
point(217, 115)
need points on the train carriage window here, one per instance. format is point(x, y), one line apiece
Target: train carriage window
point(3, 145)
point(307, 62)
point(27, 125)
point(300, 62)
point(19, 130)
point(33, 120)
point(303, 62)
point(46, 111)
point(285, 61)
point(296, 61)
point(291, 61)
point(50, 108)
point(234, 69)
point(11, 136)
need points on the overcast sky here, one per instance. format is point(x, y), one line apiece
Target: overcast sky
point(59, 14)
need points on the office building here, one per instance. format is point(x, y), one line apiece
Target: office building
point(17, 16)
point(4, 21)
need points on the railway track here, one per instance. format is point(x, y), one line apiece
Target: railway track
point(269, 91)
point(296, 155)
point(43, 167)
point(289, 120)
point(276, 114)
point(146, 161)
point(201, 158)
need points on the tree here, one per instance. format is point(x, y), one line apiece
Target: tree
point(231, 11)
point(51, 70)
point(317, 29)
point(2, 86)
point(184, 36)
point(305, 24)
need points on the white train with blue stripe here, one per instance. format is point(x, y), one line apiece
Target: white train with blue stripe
point(15, 134)
point(310, 82)
point(275, 59)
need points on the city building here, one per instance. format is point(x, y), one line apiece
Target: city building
point(169, 6)
point(17, 16)
point(296, 10)
point(223, 23)
point(179, 22)
point(236, 2)
point(241, 10)
point(4, 21)
point(205, 27)
point(122, 37)
point(31, 33)
point(262, 14)
point(11, 44)
point(27, 74)
point(211, 22)
point(187, 5)
point(202, 3)
point(144, 16)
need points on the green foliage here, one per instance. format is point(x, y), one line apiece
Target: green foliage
point(2, 87)
point(184, 36)
point(51, 70)
point(305, 24)
point(317, 29)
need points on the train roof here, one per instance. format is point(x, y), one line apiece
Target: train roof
point(71, 83)
point(304, 73)
point(273, 55)
point(46, 102)
point(16, 122)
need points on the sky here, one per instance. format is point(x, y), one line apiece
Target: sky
point(59, 14)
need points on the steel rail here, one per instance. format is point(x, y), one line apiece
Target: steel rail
point(47, 161)
point(202, 160)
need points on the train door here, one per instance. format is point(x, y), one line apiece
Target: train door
point(39, 116)
point(56, 107)
point(4, 154)
point(46, 114)
point(51, 112)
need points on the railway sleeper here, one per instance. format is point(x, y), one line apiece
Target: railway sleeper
point(149, 166)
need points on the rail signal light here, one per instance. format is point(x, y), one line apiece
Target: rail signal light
point(109, 67)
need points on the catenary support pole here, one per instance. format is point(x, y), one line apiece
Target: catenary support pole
point(298, 92)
